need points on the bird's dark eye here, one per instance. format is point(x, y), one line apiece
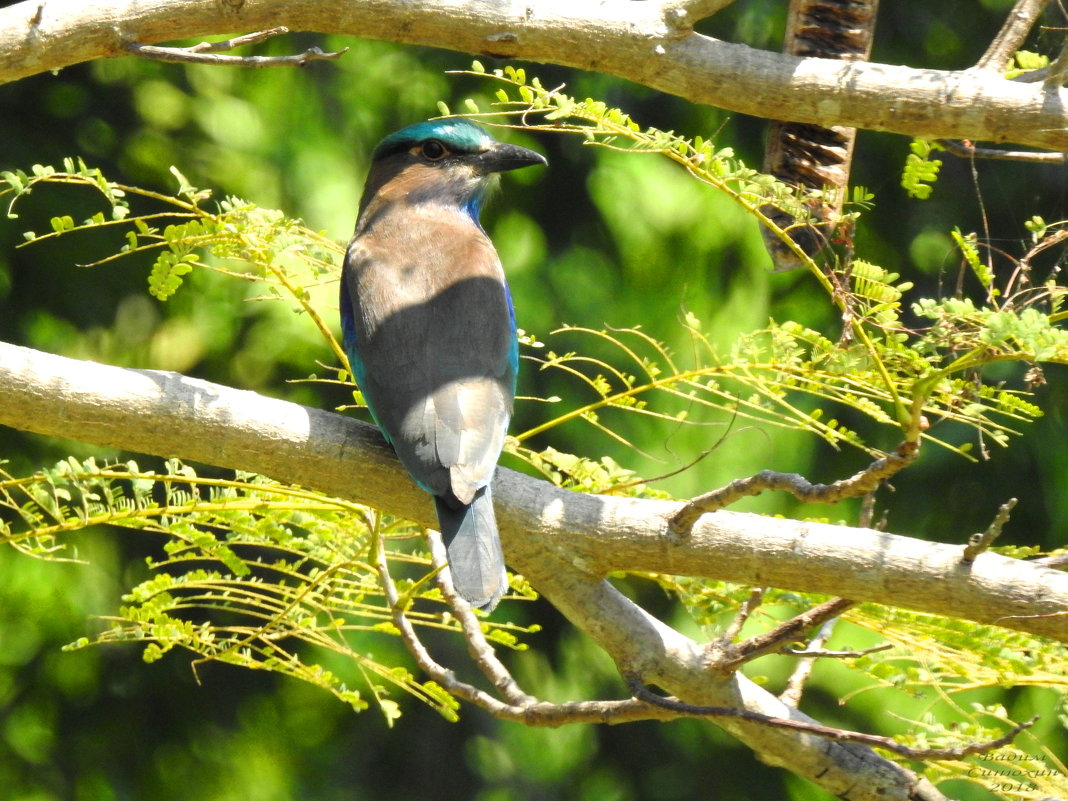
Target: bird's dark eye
point(433, 150)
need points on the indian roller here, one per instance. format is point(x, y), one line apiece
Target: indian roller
point(430, 332)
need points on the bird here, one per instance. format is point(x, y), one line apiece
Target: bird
point(429, 329)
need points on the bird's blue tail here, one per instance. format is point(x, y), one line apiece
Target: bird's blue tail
point(474, 548)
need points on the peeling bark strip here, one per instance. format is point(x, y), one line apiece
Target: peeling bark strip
point(811, 156)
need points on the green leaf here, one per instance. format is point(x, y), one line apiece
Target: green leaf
point(921, 171)
point(64, 223)
point(968, 248)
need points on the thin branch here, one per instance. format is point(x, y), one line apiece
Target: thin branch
point(1057, 69)
point(977, 543)
point(812, 652)
point(795, 684)
point(415, 646)
point(731, 657)
point(638, 42)
point(480, 651)
point(862, 483)
point(209, 52)
point(965, 149)
point(1017, 26)
point(530, 711)
point(735, 626)
point(238, 41)
point(643, 693)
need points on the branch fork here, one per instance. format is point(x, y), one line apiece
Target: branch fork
point(517, 705)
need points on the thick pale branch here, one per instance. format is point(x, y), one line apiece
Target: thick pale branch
point(168, 414)
point(646, 42)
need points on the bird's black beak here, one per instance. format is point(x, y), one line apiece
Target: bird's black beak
point(502, 157)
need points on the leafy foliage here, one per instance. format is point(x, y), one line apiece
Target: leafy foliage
point(253, 573)
point(894, 375)
point(921, 171)
point(929, 670)
point(233, 237)
point(271, 577)
point(892, 372)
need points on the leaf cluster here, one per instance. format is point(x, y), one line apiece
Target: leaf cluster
point(929, 670)
point(888, 363)
point(253, 573)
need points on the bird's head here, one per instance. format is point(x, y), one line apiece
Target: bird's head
point(449, 161)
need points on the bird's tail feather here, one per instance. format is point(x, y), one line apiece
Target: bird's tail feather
point(474, 548)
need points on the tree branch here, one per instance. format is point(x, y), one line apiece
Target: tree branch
point(969, 151)
point(727, 657)
point(564, 542)
point(862, 483)
point(1010, 38)
point(186, 55)
point(841, 735)
point(650, 43)
point(590, 535)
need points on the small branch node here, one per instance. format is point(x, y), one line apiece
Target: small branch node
point(977, 543)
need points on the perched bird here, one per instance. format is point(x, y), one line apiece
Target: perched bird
point(430, 330)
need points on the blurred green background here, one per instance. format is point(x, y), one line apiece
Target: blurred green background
point(597, 239)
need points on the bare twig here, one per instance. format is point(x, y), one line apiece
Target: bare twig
point(812, 652)
point(965, 149)
point(747, 609)
point(727, 657)
point(238, 41)
point(415, 646)
point(1017, 25)
point(1051, 240)
point(977, 543)
point(531, 711)
point(643, 693)
point(795, 685)
point(477, 646)
point(862, 483)
point(208, 52)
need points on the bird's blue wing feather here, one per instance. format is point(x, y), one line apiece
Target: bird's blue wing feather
point(475, 556)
